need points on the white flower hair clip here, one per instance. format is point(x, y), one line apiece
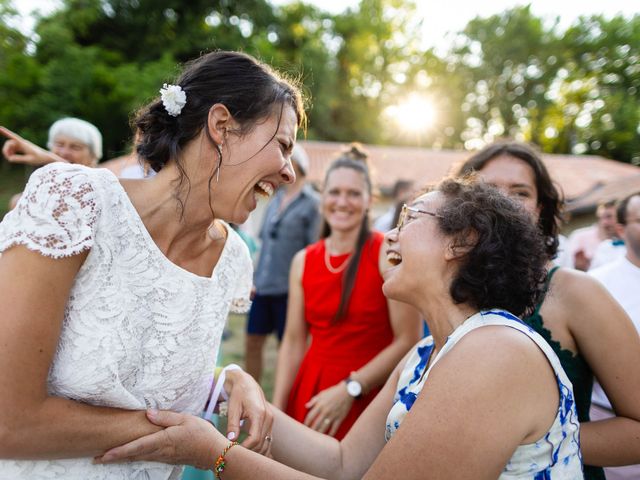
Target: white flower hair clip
point(173, 99)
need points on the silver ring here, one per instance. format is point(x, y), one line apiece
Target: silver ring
point(326, 421)
point(268, 438)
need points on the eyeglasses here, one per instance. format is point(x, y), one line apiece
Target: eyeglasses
point(403, 219)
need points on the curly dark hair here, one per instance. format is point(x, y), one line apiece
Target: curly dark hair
point(505, 266)
point(550, 198)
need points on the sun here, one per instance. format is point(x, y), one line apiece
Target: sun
point(414, 114)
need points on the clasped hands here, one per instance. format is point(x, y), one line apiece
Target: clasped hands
point(190, 440)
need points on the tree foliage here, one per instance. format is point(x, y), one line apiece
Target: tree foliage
point(569, 90)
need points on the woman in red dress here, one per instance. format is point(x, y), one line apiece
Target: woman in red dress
point(342, 336)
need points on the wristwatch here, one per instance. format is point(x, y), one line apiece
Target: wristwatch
point(354, 388)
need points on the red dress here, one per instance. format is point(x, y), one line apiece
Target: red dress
point(338, 349)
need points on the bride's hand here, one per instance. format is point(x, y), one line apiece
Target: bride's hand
point(247, 401)
point(185, 440)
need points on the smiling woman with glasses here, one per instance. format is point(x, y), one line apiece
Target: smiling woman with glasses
point(483, 398)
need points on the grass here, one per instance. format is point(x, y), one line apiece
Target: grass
point(12, 181)
point(233, 351)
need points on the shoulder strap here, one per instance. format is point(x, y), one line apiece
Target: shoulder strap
point(546, 289)
point(504, 318)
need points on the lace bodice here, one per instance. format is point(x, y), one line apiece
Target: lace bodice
point(138, 330)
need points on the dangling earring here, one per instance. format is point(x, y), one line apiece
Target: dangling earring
point(219, 149)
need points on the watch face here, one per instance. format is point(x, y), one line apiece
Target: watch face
point(354, 388)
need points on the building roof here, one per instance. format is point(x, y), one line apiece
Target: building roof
point(616, 189)
point(585, 179)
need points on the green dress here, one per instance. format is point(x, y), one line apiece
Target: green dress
point(576, 369)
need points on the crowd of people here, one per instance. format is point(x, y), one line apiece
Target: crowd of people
point(452, 337)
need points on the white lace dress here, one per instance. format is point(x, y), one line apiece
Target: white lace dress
point(138, 330)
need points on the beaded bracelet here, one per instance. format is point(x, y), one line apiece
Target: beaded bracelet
point(220, 462)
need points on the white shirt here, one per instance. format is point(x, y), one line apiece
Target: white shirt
point(608, 250)
point(622, 279)
point(563, 257)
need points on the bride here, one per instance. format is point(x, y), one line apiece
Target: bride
point(115, 293)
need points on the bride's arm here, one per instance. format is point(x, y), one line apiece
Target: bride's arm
point(191, 440)
point(34, 290)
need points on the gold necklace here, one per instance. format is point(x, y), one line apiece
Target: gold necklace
point(327, 260)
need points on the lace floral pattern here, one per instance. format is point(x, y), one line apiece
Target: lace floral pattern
point(55, 218)
point(138, 330)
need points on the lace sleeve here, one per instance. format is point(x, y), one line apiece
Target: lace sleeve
point(241, 300)
point(56, 215)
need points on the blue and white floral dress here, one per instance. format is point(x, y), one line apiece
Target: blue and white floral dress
point(556, 456)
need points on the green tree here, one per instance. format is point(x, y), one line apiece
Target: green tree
point(376, 44)
point(600, 87)
point(508, 63)
point(20, 71)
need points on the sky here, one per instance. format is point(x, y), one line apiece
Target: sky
point(440, 20)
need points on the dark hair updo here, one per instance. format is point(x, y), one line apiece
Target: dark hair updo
point(549, 198)
point(505, 266)
point(250, 90)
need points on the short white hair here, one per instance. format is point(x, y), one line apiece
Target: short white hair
point(80, 130)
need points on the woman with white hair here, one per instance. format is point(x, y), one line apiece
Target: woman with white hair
point(71, 140)
point(76, 141)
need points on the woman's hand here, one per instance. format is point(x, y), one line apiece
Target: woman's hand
point(185, 440)
point(328, 409)
point(247, 401)
point(19, 150)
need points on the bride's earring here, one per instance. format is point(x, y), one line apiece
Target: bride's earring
point(219, 149)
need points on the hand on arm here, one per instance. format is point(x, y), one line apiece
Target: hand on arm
point(189, 440)
point(192, 441)
point(33, 425)
point(19, 150)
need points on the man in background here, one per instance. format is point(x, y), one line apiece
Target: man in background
point(584, 241)
point(401, 193)
point(291, 223)
point(622, 278)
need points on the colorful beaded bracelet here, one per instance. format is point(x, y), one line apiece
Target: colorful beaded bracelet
point(220, 462)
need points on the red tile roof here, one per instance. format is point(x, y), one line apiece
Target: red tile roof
point(584, 179)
